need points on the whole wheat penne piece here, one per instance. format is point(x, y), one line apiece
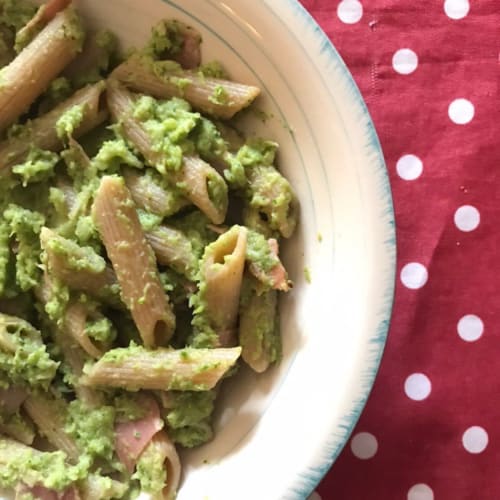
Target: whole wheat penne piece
point(29, 74)
point(120, 104)
point(41, 132)
point(75, 321)
point(133, 260)
point(49, 415)
point(18, 427)
point(214, 96)
point(80, 268)
point(160, 456)
point(220, 285)
point(173, 248)
point(164, 369)
point(43, 15)
point(259, 334)
point(152, 196)
point(205, 187)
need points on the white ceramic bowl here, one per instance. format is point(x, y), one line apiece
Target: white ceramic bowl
point(278, 434)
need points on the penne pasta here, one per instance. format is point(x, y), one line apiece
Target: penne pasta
point(216, 305)
point(17, 427)
point(162, 80)
point(259, 329)
point(159, 468)
point(29, 74)
point(133, 260)
point(41, 132)
point(49, 415)
point(172, 248)
point(205, 187)
point(164, 369)
point(75, 321)
point(150, 193)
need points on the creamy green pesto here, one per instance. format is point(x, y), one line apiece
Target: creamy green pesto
point(92, 428)
point(38, 166)
point(24, 358)
point(69, 121)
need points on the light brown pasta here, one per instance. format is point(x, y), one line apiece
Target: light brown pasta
point(205, 187)
point(161, 450)
point(49, 413)
point(221, 277)
point(162, 369)
point(172, 248)
point(259, 334)
point(29, 74)
point(41, 132)
point(152, 196)
point(133, 260)
point(75, 321)
point(214, 96)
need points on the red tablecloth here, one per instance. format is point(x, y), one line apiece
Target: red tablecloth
point(429, 71)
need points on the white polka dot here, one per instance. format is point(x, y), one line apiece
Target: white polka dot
point(409, 167)
point(364, 445)
point(470, 327)
point(350, 11)
point(404, 61)
point(461, 111)
point(475, 439)
point(467, 218)
point(314, 496)
point(414, 275)
point(420, 492)
point(456, 9)
point(418, 386)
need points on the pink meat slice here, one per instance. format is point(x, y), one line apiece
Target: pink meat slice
point(132, 437)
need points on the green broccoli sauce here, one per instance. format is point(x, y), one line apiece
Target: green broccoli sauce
point(213, 69)
point(192, 435)
point(23, 355)
point(15, 14)
point(307, 275)
point(101, 330)
point(4, 254)
point(50, 469)
point(190, 408)
point(25, 225)
point(166, 40)
point(151, 471)
point(259, 253)
point(114, 154)
point(127, 408)
point(77, 257)
point(168, 125)
point(38, 166)
point(219, 96)
point(69, 121)
point(92, 428)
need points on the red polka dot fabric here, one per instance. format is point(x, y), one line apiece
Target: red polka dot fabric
point(430, 72)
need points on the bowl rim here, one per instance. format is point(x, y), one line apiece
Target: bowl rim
point(306, 484)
